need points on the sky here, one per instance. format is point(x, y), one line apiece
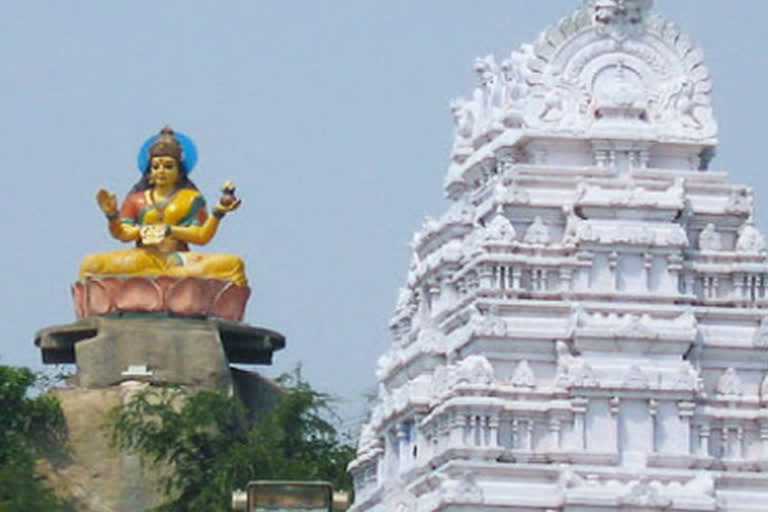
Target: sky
point(330, 115)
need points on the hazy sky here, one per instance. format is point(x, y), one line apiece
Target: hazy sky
point(330, 115)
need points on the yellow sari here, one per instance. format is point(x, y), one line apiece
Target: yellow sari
point(162, 254)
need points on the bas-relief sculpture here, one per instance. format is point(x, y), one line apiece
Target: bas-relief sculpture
point(162, 215)
point(589, 314)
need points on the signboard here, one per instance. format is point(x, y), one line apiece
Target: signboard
point(266, 496)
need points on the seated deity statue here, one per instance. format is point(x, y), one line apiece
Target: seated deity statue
point(162, 215)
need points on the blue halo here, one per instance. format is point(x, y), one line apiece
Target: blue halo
point(188, 152)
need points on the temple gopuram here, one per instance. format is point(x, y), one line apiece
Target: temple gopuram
point(584, 329)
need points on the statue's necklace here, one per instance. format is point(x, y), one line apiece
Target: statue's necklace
point(162, 204)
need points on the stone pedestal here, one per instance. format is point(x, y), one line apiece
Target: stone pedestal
point(163, 350)
point(120, 355)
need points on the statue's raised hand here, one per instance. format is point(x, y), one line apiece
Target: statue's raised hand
point(107, 202)
point(228, 202)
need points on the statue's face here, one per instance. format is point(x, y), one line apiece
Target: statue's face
point(164, 170)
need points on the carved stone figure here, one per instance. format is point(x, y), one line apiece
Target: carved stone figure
point(512, 70)
point(764, 389)
point(635, 326)
point(500, 230)
point(636, 379)
point(619, 18)
point(729, 383)
point(553, 106)
point(571, 370)
point(685, 103)
point(565, 362)
point(644, 494)
point(709, 239)
point(687, 378)
point(490, 95)
point(750, 239)
point(491, 83)
point(740, 201)
point(760, 338)
point(572, 225)
point(461, 490)
point(406, 301)
point(582, 375)
point(476, 370)
point(465, 119)
point(523, 377)
point(537, 233)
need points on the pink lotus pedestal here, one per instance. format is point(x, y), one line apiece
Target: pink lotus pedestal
point(187, 296)
point(181, 330)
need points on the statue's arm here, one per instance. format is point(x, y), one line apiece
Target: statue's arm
point(199, 235)
point(204, 231)
point(115, 221)
point(122, 231)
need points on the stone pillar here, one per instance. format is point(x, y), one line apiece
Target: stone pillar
point(402, 446)
point(728, 447)
point(733, 441)
point(493, 429)
point(515, 434)
point(754, 287)
point(448, 291)
point(632, 159)
point(764, 439)
point(739, 290)
point(566, 277)
point(433, 292)
point(527, 435)
point(417, 438)
point(689, 283)
point(517, 273)
point(645, 158)
point(654, 430)
point(601, 426)
point(711, 284)
point(704, 435)
point(579, 407)
point(476, 425)
point(685, 412)
point(647, 270)
point(457, 430)
point(555, 433)
point(390, 455)
point(613, 264)
point(672, 282)
point(486, 277)
point(601, 157)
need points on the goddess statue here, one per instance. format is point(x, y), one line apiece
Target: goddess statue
point(163, 214)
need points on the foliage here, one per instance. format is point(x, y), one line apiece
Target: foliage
point(213, 449)
point(29, 428)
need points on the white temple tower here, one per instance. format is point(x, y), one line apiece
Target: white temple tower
point(583, 330)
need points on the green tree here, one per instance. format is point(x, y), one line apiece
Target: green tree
point(212, 448)
point(29, 428)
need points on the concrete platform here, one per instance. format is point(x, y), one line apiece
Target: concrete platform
point(156, 348)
